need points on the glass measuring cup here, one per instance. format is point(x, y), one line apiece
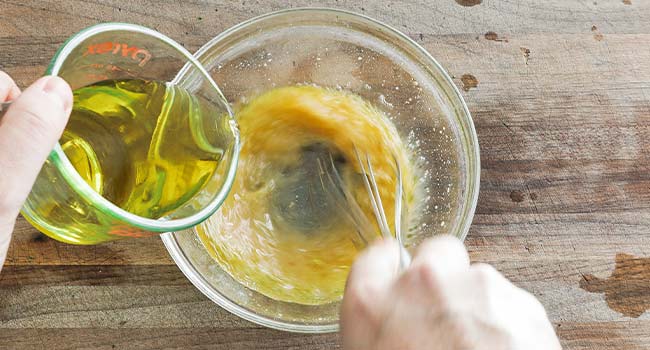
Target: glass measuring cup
point(61, 204)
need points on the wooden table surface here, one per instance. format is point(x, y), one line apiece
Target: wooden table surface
point(560, 94)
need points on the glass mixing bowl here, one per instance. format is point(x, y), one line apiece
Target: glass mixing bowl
point(342, 50)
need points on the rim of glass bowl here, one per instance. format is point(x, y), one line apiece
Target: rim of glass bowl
point(62, 163)
point(467, 135)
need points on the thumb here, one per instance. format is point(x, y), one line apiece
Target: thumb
point(28, 131)
point(369, 283)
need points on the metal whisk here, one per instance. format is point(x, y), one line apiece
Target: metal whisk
point(338, 193)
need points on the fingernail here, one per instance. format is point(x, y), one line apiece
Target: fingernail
point(59, 88)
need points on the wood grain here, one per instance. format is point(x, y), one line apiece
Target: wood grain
point(561, 103)
point(167, 338)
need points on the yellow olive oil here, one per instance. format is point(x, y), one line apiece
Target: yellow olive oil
point(146, 146)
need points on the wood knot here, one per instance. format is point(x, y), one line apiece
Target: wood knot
point(469, 81)
point(469, 3)
point(517, 196)
point(492, 36)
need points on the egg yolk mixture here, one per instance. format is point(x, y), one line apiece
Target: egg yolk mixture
point(277, 232)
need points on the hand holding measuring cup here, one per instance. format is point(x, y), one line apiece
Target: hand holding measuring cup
point(28, 131)
point(151, 145)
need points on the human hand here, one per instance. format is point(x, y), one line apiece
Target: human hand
point(439, 302)
point(28, 132)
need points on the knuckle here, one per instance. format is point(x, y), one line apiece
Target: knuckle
point(487, 281)
point(358, 300)
point(443, 242)
point(443, 248)
point(449, 240)
point(484, 274)
point(429, 277)
point(35, 121)
point(40, 102)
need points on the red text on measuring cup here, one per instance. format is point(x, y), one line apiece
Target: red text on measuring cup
point(136, 53)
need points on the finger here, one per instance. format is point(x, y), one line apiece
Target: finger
point(28, 131)
point(369, 282)
point(487, 288)
point(499, 302)
point(372, 273)
point(496, 287)
point(440, 258)
point(506, 300)
point(8, 88)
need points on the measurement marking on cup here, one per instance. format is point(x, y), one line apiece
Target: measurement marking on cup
point(104, 68)
point(136, 53)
